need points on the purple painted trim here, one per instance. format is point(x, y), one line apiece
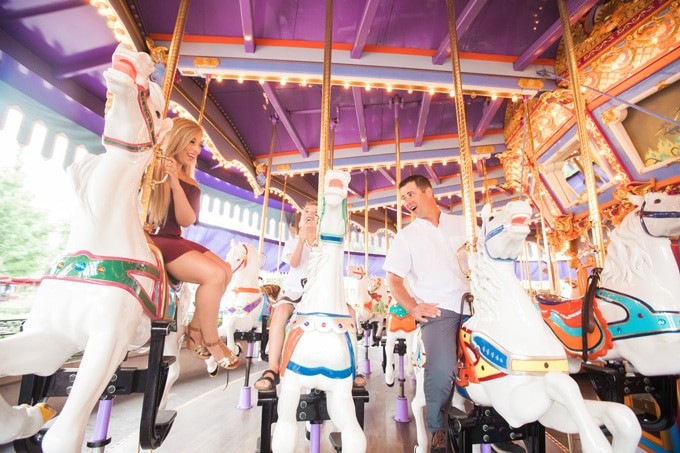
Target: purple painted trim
point(247, 25)
point(41, 10)
point(463, 22)
point(577, 8)
point(433, 174)
point(387, 175)
point(422, 119)
point(489, 112)
point(248, 308)
point(284, 118)
point(364, 27)
point(103, 417)
point(361, 119)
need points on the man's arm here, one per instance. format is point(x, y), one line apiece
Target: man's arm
point(420, 311)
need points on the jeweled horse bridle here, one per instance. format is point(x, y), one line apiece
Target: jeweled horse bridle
point(655, 215)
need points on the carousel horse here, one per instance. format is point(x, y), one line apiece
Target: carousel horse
point(243, 299)
point(377, 288)
point(359, 298)
point(510, 360)
point(400, 325)
point(637, 306)
point(102, 293)
point(320, 348)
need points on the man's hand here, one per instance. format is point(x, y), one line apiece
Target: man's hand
point(423, 311)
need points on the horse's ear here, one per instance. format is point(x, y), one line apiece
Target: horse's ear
point(232, 243)
point(636, 199)
point(166, 125)
point(486, 210)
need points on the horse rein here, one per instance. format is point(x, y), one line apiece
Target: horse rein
point(244, 289)
point(655, 215)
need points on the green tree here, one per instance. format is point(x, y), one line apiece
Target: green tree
point(25, 230)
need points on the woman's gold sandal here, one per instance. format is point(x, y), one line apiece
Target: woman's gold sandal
point(199, 349)
point(229, 361)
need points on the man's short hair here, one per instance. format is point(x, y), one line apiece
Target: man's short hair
point(421, 182)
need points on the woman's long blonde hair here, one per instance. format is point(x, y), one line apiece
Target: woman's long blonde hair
point(182, 132)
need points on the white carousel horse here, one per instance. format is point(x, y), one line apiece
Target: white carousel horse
point(320, 348)
point(637, 306)
point(377, 288)
point(512, 361)
point(356, 288)
point(100, 295)
point(243, 300)
point(400, 325)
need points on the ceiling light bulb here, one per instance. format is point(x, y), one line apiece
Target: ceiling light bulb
point(452, 93)
point(494, 96)
point(389, 88)
point(303, 83)
point(219, 78)
point(431, 91)
point(346, 85)
point(261, 80)
point(368, 87)
point(514, 98)
point(410, 91)
point(283, 82)
point(240, 79)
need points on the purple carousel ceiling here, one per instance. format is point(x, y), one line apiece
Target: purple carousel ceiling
point(399, 48)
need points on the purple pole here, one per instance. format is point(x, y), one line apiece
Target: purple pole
point(485, 448)
point(315, 438)
point(101, 428)
point(367, 363)
point(402, 402)
point(244, 401)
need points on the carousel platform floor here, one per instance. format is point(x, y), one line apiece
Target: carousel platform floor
point(209, 421)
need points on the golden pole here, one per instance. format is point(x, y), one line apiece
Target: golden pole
point(539, 261)
point(331, 145)
point(397, 151)
point(466, 183)
point(548, 251)
point(265, 203)
point(205, 98)
point(168, 82)
point(366, 221)
point(283, 211)
point(387, 235)
point(586, 157)
point(325, 98)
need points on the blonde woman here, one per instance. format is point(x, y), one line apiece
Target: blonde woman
point(175, 204)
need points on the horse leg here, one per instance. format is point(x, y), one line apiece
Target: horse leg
point(389, 362)
point(285, 433)
point(563, 390)
point(418, 409)
point(103, 353)
point(29, 353)
point(341, 410)
point(171, 348)
point(619, 420)
point(409, 353)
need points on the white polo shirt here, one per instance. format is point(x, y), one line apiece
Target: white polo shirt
point(295, 274)
point(425, 256)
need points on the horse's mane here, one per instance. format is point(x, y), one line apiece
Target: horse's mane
point(315, 263)
point(626, 254)
point(484, 281)
point(80, 176)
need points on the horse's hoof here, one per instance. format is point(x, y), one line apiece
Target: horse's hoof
point(215, 372)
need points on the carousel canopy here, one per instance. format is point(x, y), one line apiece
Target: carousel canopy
point(263, 61)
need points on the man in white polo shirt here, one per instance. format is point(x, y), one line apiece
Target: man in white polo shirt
point(423, 255)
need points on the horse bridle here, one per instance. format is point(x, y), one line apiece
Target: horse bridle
point(655, 215)
point(495, 232)
point(244, 289)
point(143, 95)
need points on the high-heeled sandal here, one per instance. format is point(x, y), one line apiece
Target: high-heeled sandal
point(229, 361)
point(199, 349)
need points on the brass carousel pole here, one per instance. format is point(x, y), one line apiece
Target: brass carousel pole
point(387, 234)
point(168, 82)
point(586, 157)
point(539, 203)
point(366, 221)
point(283, 211)
point(325, 98)
point(397, 170)
point(467, 187)
point(265, 203)
point(205, 98)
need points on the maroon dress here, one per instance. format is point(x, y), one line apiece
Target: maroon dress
point(169, 238)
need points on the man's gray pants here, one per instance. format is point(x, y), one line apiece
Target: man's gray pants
point(440, 340)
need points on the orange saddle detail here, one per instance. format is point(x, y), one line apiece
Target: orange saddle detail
point(563, 316)
point(395, 323)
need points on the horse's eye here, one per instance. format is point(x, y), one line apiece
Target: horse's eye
point(491, 218)
point(158, 114)
point(657, 201)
